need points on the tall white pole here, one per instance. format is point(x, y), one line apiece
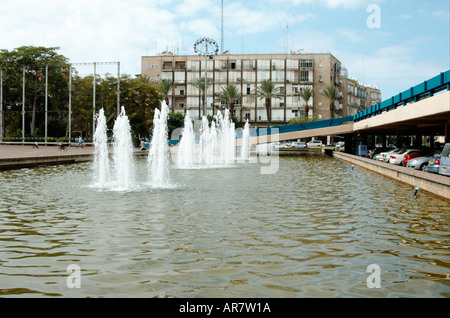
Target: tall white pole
point(70, 103)
point(23, 106)
point(206, 80)
point(118, 89)
point(221, 42)
point(1, 105)
point(46, 102)
point(93, 101)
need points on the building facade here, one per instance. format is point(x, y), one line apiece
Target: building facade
point(290, 72)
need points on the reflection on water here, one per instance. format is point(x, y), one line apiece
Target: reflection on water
point(310, 230)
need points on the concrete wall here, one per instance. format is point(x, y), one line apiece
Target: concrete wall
point(430, 182)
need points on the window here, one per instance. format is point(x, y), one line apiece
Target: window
point(306, 63)
point(264, 64)
point(304, 76)
point(278, 76)
point(263, 75)
point(181, 91)
point(248, 64)
point(181, 105)
point(232, 65)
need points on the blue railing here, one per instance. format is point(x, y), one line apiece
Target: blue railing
point(413, 94)
point(304, 126)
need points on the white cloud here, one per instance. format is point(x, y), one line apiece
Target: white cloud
point(392, 68)
point(189, 8)
point(333, 4)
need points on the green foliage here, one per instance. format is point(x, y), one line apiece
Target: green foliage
point(331, 92)
point(306, 93)
point(268, 90)
point(176, 120)
point(301, 120)
point(199, 83)
point(33, 60)
point(229, 95)
point(138, 95)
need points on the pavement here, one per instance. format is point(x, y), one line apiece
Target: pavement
point(28, 151)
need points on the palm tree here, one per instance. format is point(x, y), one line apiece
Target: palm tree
point(268, 90)
point(331, 92)
point(199, 83)
point(166, 85)
point(306, 94)
point(228, 95)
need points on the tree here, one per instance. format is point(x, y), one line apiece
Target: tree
point(229, 95)
point(306, 94)
point(35, 61)
point(199, 83)
point(174, 121)
point(166, 85)
point(268, 90)
point(331, 92)
point(140, 100)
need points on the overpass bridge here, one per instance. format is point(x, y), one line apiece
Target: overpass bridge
point(422, 110)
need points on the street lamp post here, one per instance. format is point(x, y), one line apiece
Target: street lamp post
point(201, 46)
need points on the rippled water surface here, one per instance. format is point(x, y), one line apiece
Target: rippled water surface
point(309, 230)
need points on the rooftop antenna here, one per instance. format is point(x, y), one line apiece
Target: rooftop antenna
point(221, 40)
point(287, 35)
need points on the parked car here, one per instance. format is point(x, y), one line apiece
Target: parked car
point(444, 167)
point(297, 144)
point(433, 165)
point(426, 152)
point(314, 143)
point(340, 146)
point(378, 150)
point(384, 156)
point(396, 158)
point(421, 163)
point(279, 145)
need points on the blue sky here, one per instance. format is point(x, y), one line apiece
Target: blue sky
point(410, 43)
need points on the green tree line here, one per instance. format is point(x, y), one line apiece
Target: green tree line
point(139, 96)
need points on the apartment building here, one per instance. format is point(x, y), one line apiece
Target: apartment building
point(357, 96)
point(290, 72)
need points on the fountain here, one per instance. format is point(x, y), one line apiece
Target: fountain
point(122, 156)
point(216, 146)
point(101, 160)
point(158, 158)
point(186, 152)
point(123, 152)
point(245, 144)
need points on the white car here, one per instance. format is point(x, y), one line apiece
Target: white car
point(297, 144)
point(314, 143)
point(396, 158)
point(384, 156)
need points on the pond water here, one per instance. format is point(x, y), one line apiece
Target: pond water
point(309, 230)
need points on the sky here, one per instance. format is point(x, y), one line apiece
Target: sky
point(392, 44)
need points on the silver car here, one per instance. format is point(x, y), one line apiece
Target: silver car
point(421, 163)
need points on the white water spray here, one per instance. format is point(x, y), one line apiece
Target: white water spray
point(123, 152)
point(101, 159)
point(216, 145)
point(158, 158)
point(245, 144)
point(186, 152)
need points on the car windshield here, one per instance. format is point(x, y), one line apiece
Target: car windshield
point(446, 151)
